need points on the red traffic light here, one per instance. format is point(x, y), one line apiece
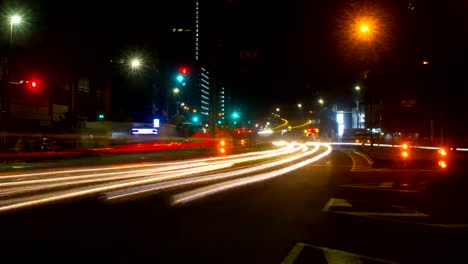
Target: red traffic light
point(32, 84)
point(183, 70)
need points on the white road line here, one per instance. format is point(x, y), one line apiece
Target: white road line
point(367, 158)
point(339, 257)
point(337, 202)
point(334, 253)
point(293, 254)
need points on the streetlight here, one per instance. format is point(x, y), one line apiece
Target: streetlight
point(358, 110)
point(176, 93)
point(135, 63)
point(321, 102)
point(14, 20)
point(299, 105)
point(277, 109)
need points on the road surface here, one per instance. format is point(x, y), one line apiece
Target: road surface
point(335, 201)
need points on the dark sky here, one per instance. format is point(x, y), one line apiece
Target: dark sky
point(305, 52)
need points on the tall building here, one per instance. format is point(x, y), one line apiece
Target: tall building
point(201, 39)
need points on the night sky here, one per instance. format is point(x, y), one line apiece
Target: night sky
point(305, 51)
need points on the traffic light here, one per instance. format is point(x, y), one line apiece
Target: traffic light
point(195, 119)
point(33, 85)
point(180, 78)
point(235, 115)
point(183, 70)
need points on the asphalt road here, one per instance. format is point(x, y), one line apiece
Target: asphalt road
point(338, 202)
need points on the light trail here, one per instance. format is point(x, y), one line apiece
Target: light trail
point(156, 174)
point(207, 178)
point(126, 179)
point(223, 186)
point(131, 166)
point(303, 125)
point(284, 124)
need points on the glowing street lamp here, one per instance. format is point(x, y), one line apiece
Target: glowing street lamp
point(14, 20)
point(135, 63)
point(277, 109)
point(321, 102)
point(357, 88)
point(299, 105)
point(176, 91)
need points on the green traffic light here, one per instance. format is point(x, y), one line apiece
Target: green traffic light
point(195, 119)
point(235, 115)
point(180, 78)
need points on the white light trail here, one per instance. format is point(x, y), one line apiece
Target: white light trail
point(126, 179)
point(219, 187)
point(207, 178)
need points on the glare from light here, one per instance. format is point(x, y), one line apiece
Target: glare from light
point(404, 154)
point(222, 150)
point(364, 28)
point(299, 105)
point(442, 164)
point(135, 63)
point(176, 90)
point(425, 62)
point(222, 143)
point(321, 101)
point(277, 109)
point(442, 152)
point(405, 146)
point(357, 88)
point(265, 131)
point(15, 19)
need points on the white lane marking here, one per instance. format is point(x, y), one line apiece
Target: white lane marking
point(339, 257)
point(293, 254)
point(384, 186)
point(337, 202)
point(223, 186)
point(353, 160)
point(394, 170)
point(331, 255)
point(367, 158)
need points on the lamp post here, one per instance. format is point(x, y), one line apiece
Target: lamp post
point(358, 110)
point(367, 30)
point(176, 94)
point(14, 20)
